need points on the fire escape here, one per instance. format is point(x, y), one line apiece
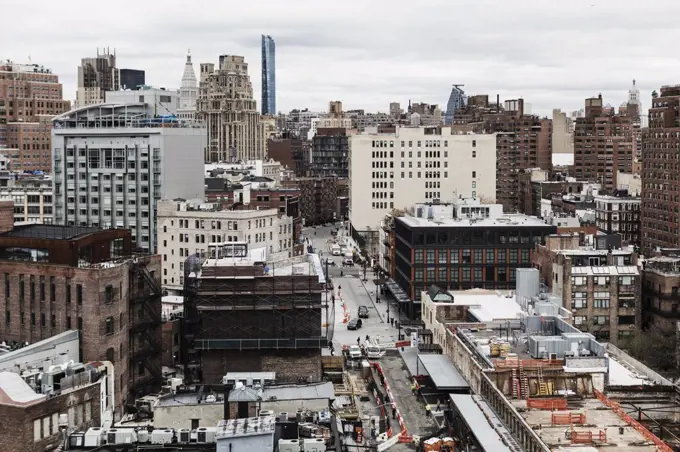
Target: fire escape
point(145, 331)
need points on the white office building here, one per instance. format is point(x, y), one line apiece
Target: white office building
point(187, 228)
point(32, 196)
point(114, 162)
point(416, 164)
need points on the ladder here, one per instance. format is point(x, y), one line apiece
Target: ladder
point(514, 383)
point(542, 387)
point(524, 384)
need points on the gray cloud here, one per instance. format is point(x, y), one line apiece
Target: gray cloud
point(554, 54)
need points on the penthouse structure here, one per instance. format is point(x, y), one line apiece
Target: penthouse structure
point(58, 278)
point(236, 301)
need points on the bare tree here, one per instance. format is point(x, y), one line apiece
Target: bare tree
point(655, 346)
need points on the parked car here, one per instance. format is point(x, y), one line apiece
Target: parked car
point(347, 262)
point(363, 312)
point(355, 352)
point(354, 324)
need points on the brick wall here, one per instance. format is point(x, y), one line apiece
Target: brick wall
point(289, 365)
point(6, 216)
point(17, 423)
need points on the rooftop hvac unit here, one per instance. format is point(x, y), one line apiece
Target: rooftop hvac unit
point(163, 436)
point(313, 445)
point(289, 445)
point(93, 437)
point(184, 435)
point(206, 434)
point(266, 413)
point(120, 436)
point(143, 436)
point(283, 416)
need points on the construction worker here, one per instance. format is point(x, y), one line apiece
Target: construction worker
point(413, 388)
point(428, 410)
point(438, 405)
point(358, 341)
point(394, 411)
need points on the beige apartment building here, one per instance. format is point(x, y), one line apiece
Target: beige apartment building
point(228, 109)
point(414, 165)
point(187, 228)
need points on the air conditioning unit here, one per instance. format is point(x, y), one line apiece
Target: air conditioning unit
point(283, 416)
point(162, 436)
point(266, 413)
point(120, 436)
point(184, 435)
point(289, 445)
point(313, 445)
point(206, 434)
point(94, 437)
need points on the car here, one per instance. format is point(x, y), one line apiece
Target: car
point(354, 324)
point(355, 352)
point(363, 312)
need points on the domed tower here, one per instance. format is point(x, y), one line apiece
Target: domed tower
point(188, 93)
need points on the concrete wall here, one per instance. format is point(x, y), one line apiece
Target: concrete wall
point(250, 443)
point(183, 170)
point(291, 406)
point(180, 416)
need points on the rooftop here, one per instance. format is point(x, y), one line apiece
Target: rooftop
point(442, 372)
point(15, 391)
point(503, 221)
point(50, 231)
point(605, 270)
point(300, 392)
point(232, 428)
point(488, 305)
point(597, 418)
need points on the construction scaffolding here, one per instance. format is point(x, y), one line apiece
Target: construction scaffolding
point(145, 371)
point(249, 306)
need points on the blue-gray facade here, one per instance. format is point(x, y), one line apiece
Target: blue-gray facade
point(268, 75)
point(457, 100)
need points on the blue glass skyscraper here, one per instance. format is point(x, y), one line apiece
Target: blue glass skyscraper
point(268, 76)
point(457, 100)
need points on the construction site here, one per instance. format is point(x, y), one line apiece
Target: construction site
point(243, 314)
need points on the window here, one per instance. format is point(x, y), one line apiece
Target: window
point(442, 258)
point(628, 281)
point(53, 289)
point(601, 320)
point(108, 294)
point(42, 288)
point(68, 290)
point(441, 276)
point(474, 174)
point(455, 257)
point(79, 294)
point(474, 154)
point(478, 256)
point(418, 275)
point(578, 281)
point(430, 274)
point(601, 280)
point(578, 300)
point(489, 256)
point(418, 256)
point(466, 257)
point(580, 319)
point(430, 257)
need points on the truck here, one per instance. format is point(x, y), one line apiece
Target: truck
point(348, 260)
point(335, 250)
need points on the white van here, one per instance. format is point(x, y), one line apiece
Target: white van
point(335, 250)
point(375, 352)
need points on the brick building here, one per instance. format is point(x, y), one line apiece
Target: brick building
point(30, 96)
point(603, 145)
point(318, 198)
point(57, 278)
point(523, 141)
point(535, 185)
point(30, 421)
point(292, 153)
point(244, 315)
point(660, 203)
point(600, 283)
point(330, 153)
point(619, 214)
point(660, 289)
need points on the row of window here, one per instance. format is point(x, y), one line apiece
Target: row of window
point(33, 319)
point(419, 143)
point(469, 257)
point(455, 274)
point(49, 425)
point(580, 320)
point(42, 288)
point(601, 280)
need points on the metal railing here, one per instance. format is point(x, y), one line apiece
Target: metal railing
point(257, 344)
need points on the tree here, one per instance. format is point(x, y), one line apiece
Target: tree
point(655, 346)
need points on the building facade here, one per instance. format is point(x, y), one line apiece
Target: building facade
point(96, 76)
point(660, 205)
point(660, 286)
point(132, 79)
point(235, 302)
point(33, 196)
point(58, 278)
point(414, 165)
point(619, 214)
point(268, 75)
point(599, 282)
point(188, 92)
point(187, 228)
point(463, 245)
point(30, 96)
point(226, 107)
point(330, 154)
point(457, 100)
point(318, 198)
point(112, 173)
point(159, 101)
point(603, 145)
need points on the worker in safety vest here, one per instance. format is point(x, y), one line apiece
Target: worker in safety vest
point(428, 410)
point(413, 388)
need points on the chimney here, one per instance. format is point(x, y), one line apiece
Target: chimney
point(6, 216)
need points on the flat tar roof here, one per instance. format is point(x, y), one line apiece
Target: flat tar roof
point(50, 231)
point(441, 371)
point(479, 425)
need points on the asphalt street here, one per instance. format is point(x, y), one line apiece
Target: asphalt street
point(351, 289)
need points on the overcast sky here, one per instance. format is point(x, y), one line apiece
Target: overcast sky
point(368, 53)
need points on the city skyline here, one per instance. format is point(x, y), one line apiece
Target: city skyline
point(549, 61)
